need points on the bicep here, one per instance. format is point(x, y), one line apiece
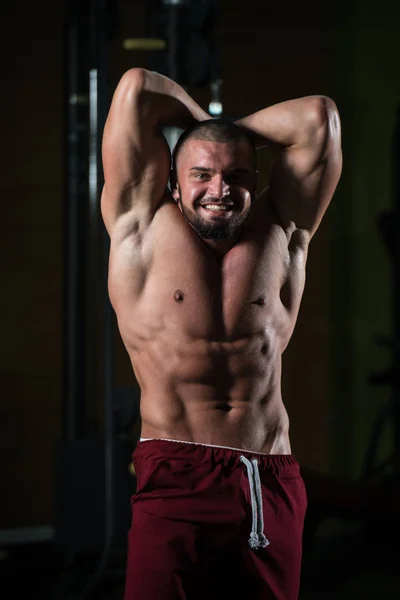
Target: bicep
point(303, 181)
point(136, 157)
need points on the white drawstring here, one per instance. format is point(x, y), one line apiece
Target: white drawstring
point(257, 538)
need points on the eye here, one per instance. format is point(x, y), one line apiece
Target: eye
point(201, 176)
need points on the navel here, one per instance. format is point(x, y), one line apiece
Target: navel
point(224, 407)
point(179, 296)
point(261, 301)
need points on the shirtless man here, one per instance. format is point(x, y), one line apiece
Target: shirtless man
point(206, 280)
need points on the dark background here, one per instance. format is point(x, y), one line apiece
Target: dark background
point(269, 52)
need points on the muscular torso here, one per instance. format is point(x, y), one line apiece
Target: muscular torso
point(205, 334)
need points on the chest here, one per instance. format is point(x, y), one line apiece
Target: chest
point(188, 287)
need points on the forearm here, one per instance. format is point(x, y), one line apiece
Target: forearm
point(168, 103)
point(295, 123)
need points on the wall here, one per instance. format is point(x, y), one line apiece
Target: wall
point(364, 50)
point(31, 259)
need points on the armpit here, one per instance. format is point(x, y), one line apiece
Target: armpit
point(128, 226)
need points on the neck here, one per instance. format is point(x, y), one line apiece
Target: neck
point(220, 247)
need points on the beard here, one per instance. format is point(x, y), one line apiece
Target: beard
point(215, 228)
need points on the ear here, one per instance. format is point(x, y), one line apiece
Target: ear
point(174, 185)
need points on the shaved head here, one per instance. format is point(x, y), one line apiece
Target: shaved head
point(213, 130)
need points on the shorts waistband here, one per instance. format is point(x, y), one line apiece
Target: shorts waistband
point(207, 445)
point(164, 448)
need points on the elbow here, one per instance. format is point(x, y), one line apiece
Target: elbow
point(333, 121)
point(326, 117)
point(319, 108)
point(325, 128)
point(132, 82)
point(333, 134)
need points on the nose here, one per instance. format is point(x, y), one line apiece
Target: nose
point(218, 187)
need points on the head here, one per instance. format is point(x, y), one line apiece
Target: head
point(214, 178)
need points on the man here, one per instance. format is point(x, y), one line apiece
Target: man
point(206, 280)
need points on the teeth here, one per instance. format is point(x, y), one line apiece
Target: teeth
point(217, 207)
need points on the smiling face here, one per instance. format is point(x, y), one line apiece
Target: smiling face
point(214, 186)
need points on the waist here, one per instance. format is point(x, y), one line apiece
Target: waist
point(257, 427)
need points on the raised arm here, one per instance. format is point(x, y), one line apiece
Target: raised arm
point(136, 156)
point(309, 162)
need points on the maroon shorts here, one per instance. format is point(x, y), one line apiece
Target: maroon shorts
point(215, 523)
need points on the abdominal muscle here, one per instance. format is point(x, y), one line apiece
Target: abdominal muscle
point(219, 393)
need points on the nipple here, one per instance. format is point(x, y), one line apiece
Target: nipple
point(178, 296)
point(261, 301)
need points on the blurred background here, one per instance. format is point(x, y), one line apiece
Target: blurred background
point(69, 414)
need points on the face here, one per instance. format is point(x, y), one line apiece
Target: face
point(215, 187)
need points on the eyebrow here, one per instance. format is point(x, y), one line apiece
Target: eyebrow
point(208, 169)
